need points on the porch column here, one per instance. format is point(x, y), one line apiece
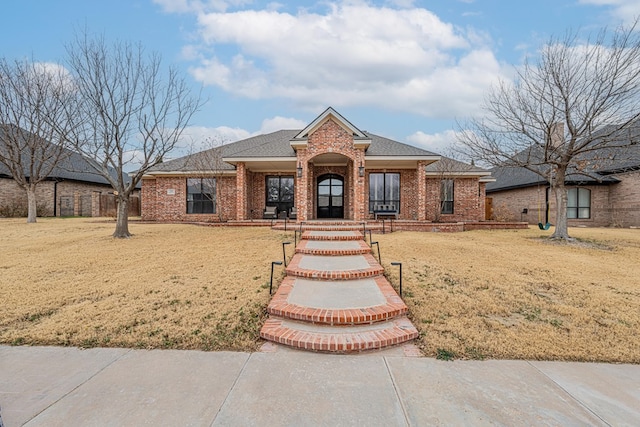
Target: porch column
point(241, 192)
point(301, 188)
point(359, 209)
point(422, 191)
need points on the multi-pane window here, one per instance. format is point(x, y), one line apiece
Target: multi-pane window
point(280, 192)
point(201, 195)
point(384, 189)
point(578, 203)
point(446, 196)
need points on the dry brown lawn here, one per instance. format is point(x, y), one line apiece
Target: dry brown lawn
point(483, 294)
point(68, 282)
point(514, 294)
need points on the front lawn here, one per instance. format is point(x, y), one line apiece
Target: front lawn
point(481, 294)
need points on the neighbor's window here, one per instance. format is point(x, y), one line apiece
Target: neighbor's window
point(578, 203)
point(446, 196)
point(384, 189)
point(201, 195)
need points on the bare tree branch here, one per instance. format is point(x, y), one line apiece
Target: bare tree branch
point(564, 114)
point(125, 104)
point(32, 97)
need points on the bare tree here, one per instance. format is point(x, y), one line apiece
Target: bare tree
point(563, 114)
point(32, 96)
point(128, 111)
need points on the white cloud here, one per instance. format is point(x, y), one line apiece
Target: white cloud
point(623, 10)
point(439, 143)
point(198, 138)
point(198, 6)
point(280, 123)
point(354, 54)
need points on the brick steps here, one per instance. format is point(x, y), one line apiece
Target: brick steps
point(333, 248)
point(357, 312)
point(335, 298)
point(339, 339)
point(321, 267)
point(375, 226)
point(339, 235)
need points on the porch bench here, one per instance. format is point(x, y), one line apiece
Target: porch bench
point(385, 210)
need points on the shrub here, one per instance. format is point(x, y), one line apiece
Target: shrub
point(19, 209)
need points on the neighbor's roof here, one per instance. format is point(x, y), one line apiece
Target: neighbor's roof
point(72, 166)
point(598, 167)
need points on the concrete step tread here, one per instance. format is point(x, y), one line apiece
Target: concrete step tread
point(333, 247)
point(313, 337)
point(337, 302)
point(336, 268)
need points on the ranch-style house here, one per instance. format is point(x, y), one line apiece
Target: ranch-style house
point(329, 169)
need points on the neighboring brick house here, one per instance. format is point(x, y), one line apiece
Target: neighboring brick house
point(330, 169)
point(609, 195)
point(72, 189)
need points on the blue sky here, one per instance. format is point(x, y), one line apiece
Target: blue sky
point(403, 69)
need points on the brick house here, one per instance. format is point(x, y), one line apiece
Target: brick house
point(609, 195)
point(71, 189)
point(329, 169)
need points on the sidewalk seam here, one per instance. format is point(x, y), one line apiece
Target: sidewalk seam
point(578, 401)
point(224, 402)
point(395, 390)
point(79, 385)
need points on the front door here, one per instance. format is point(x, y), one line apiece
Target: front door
point(330, 196)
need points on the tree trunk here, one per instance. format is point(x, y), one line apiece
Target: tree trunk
point(562, 229)
point(31, 204)
point(122, 218)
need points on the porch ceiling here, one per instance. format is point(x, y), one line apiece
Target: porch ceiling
point(330, 159)
point(271, 165)
point(395, 163)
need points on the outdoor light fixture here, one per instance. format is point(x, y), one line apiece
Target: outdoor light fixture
point(361, 170)
point(299, 170)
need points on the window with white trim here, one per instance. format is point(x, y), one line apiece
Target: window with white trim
point(578, 203)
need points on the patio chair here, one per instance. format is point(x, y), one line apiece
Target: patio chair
point(293, 214)
point(270, 212)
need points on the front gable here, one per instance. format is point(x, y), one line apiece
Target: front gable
point(332, 122)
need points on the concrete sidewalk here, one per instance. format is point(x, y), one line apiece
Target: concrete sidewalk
point(52, 386)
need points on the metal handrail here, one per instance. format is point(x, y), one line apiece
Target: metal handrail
point(284, 252)
point(400, 265)
point(378, 245)
point(271, 281)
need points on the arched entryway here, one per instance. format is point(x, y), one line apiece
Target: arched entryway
point(330, 193)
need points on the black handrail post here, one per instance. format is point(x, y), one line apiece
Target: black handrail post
point(295, 238)
point(286, 219)
point(383, 231)
point(364, 231)
point(370, 238)
point(399, 264)
point(392, 225)
point(284, 252)
point(271, 282)
point(378, 245)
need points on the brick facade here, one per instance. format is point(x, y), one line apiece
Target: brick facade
point(64, 198)
point(468, 200)
point(329, 148)
point(165, 199)
point(332, 138)
point(611, 205)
